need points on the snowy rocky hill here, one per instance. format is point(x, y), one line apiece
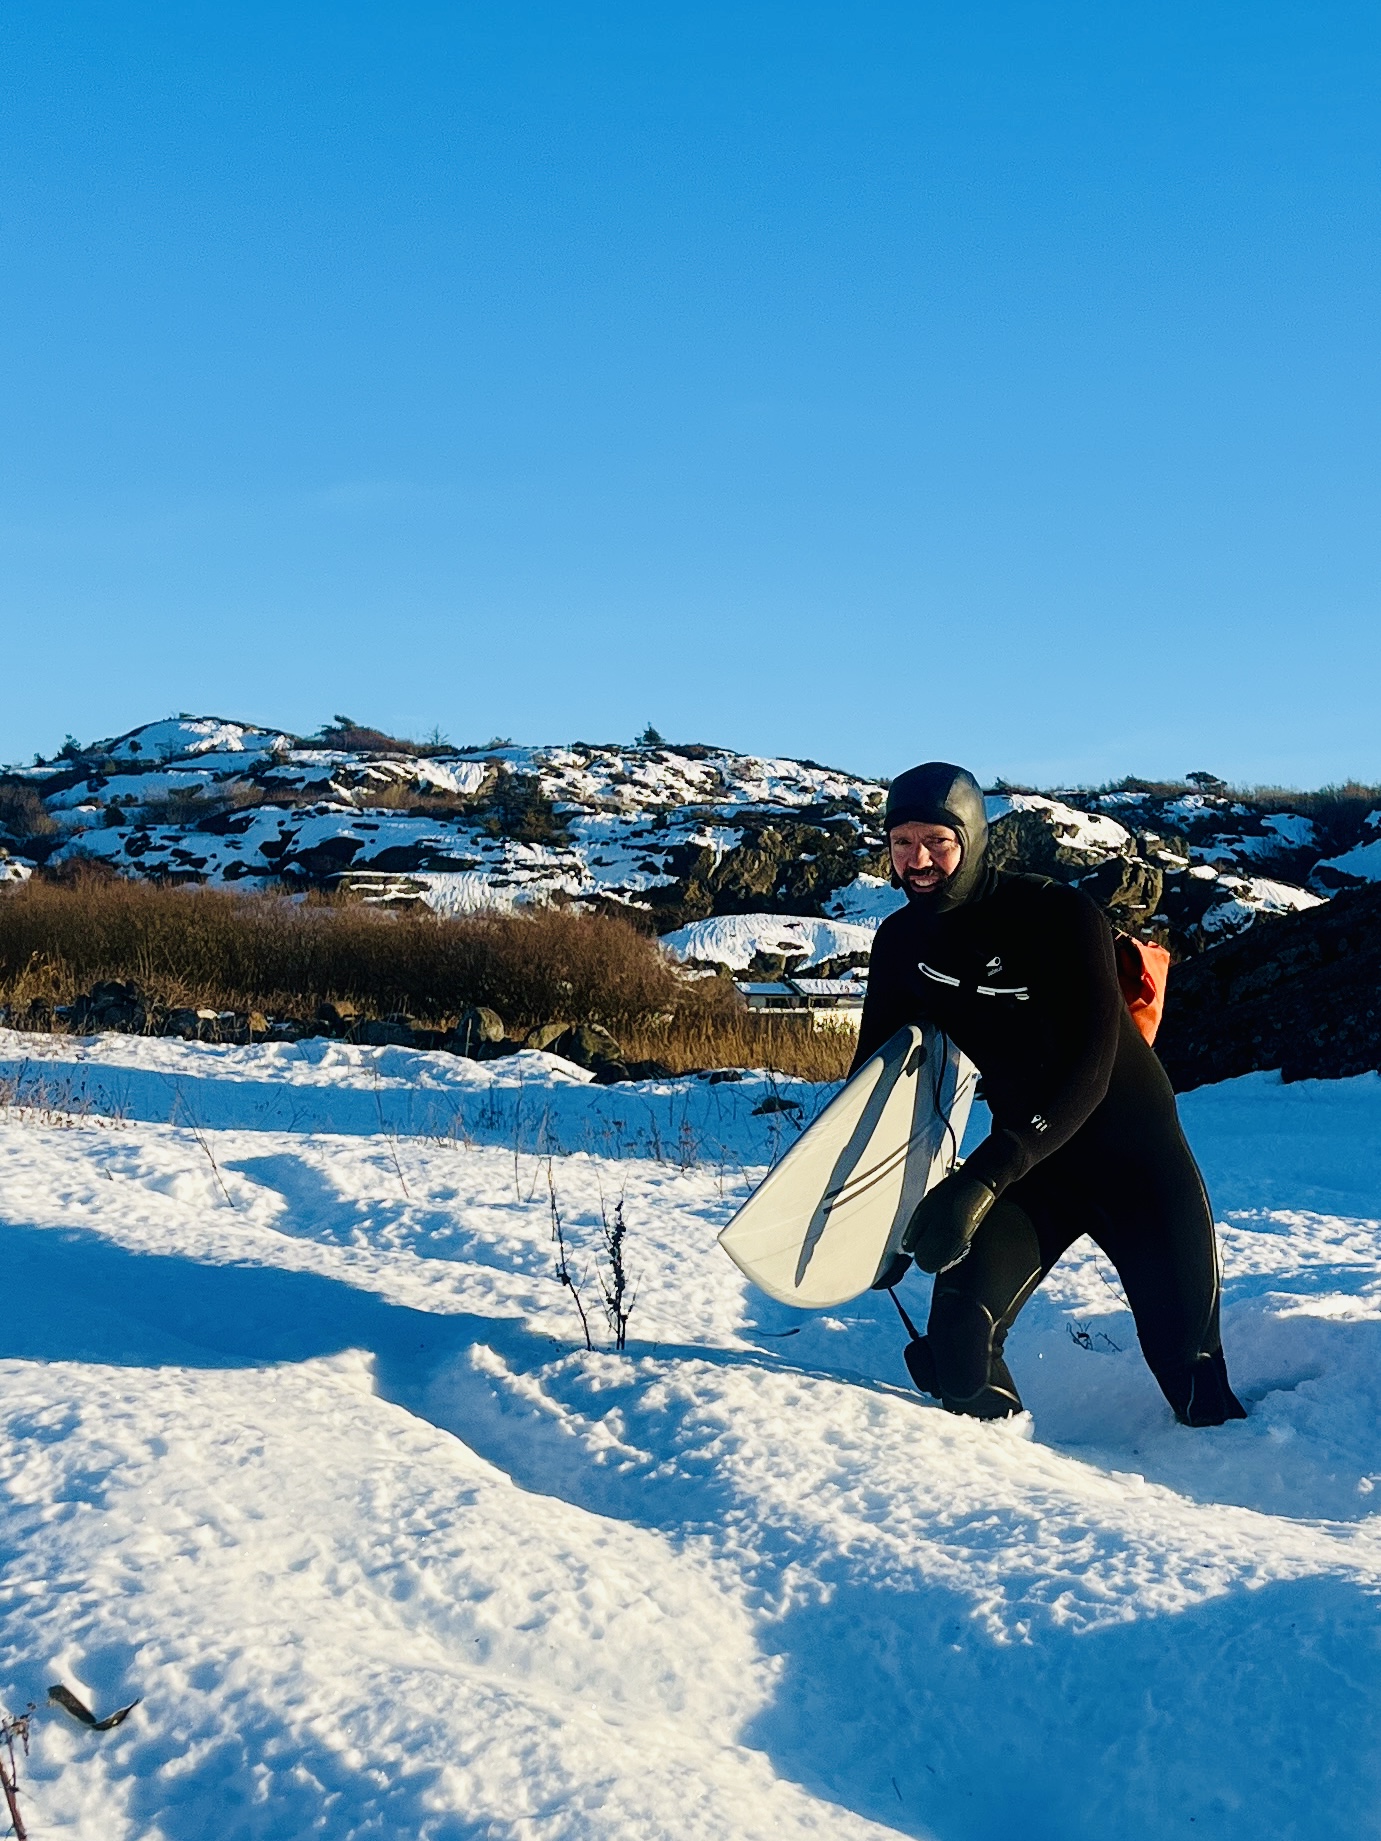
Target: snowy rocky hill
point(738, 860)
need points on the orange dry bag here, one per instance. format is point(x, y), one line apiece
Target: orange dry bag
point(1142, 972)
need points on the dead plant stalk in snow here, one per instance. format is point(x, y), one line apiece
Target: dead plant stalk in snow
point(613, 1283)
point(563, 1271)
point(12, 1728)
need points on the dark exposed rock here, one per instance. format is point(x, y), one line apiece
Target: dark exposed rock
point(770, 965)
point(1185, 901)
point(205, 1025)
point(428, 854)
point(545, 1034)
point(839, 964)
point(610, 1073)
point(1125, 882)
point(124, 1008)
point(476, 1028)
point(495, 1051)
point(327, 858)
point(185, 1024)
point(1126, 888)
point(1030, 843)
point(587, 1046)
point(110, 1005)
point(780, 865)
point(1148, 885)
point(1168, 849)
point(391, 1032)
point(228, 823)
point(1301, 993)
point(339, 1018)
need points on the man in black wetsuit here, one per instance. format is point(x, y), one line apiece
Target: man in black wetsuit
point(1020, 974)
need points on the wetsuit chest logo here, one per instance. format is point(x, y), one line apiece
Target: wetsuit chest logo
point(1019, 992)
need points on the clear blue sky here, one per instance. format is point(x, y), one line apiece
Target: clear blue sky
point(864, 381)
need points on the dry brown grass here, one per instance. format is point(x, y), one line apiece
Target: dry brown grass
point(736, 1039)
point(198, 946)
point(195, 945)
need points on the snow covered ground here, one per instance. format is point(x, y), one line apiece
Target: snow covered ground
point(302, 1444)
point(734, 939)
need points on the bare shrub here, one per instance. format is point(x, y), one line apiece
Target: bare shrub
point(516, 807)
point(82, 869)
point(351, 737)
point(22, 812)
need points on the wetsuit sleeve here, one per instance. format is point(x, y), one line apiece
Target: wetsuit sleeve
point(888, 1004)
point(1082, 998)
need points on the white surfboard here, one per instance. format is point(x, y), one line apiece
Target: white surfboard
point(827, 1220)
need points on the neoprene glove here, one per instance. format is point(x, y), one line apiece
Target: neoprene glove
point(939, 1233)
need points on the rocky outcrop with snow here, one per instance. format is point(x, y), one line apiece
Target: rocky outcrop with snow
point(687, 836)
point(1186, 869)
point(681, 832)
point(1350, 868)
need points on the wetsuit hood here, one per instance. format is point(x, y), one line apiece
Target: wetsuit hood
point(938, 793)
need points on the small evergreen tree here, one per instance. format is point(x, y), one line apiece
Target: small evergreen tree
point(519, 809)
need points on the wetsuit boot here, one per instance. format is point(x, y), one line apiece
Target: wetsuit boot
point(957, 1363)
point(1201, 1395)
